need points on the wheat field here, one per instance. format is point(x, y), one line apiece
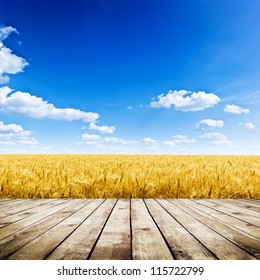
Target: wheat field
point(129, 176)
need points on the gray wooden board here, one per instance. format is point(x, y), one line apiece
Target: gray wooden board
point(239, 214)
point(14, 207)
point(246, 205)
point(236, 206)
point(23, 212)
point(40, 247)
point(177, 236)
point(225, 218)
point(236, 236)
point(129, 229)
point(14, 242)
point(115, 240)
point(220, 246)
point(79, 244)
point(30, 220)
point(147, 242)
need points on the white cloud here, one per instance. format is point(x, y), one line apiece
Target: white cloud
point(10, 127)
point(9, 62)
point(129, 107)
point(196, 101)
point(234, 109)
point(90, 137)
point(170, 144)
point(149, 141)
point(216, 138)
point(247, 125)
point(114, 140)
point(13, 134)
point(209, 123)
point(213, 136)
point(222, 142)
point(102, 129)
point(183, 139)
point(5, 31)
point(23, 103)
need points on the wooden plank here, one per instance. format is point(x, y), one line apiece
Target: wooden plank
point(26, 222)
point(147, 242)
point(230, 220)
point(232, 212)
point(183, 245)
point(10, 201)
point(115, 240)
point(13, 243)
point(27, 205)
point(31, 208)
point(254, 209)
point(42, 246)
point(79, 245)
point(252, 201)
point(236, 236)
point(217, 244)
point(10, 207)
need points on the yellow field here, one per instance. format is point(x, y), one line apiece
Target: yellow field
point(129, 176)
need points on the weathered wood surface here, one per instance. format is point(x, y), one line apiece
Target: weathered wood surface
point(124, 229)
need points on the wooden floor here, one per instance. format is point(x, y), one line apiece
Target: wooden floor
point(124, 229)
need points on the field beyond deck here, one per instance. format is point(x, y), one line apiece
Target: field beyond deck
point(126, 229)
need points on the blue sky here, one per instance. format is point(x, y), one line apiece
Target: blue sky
point(119, 76)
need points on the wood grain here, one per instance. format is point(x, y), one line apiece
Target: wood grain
point(123, 229)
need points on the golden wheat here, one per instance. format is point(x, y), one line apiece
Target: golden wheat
point(129, 176)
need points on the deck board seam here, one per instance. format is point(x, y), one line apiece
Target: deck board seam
point(75, 227)
point(101, 231)
point(211, 252)
point(222, 221)
point(46, 229)
point(229, 240)
point(164, 238)
point(241, 219)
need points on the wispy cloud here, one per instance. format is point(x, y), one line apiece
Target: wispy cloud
point(150, 141)
point(116, 140)
point(216, 138)
point(234, 109)
point(23, 103)
point(184, 100)
point(5, 31)
point(213, 135)
point(183, 139)
point(209, 123)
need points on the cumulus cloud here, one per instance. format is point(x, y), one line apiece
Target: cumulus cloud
point(13, 134)
point(209, 123)
point(23, 103)
point(10, 127)
point(102, 129)
point(9, 62)
point(247, 125)
point(234, 109)
point(184, 100)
